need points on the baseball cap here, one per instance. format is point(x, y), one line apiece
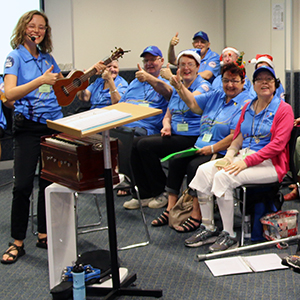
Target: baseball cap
point(263, 68)
point(152, 50)
point(202, 35)
point(190, 52)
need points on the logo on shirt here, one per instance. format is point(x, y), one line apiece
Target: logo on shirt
point(212, 64)
point(205, 87)
point(9, 62)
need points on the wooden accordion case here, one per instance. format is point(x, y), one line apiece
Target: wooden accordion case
point(77, 163)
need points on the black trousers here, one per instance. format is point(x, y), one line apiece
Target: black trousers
point(27, 152)
point(180, 167)
point(145, 160)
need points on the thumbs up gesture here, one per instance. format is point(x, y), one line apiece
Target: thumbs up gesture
point(49, 77)
point(175, 80)
point(175, 40)
point(166, 73)
point(141, 74)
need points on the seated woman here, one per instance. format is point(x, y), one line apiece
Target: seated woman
point(258, 154)
point(180, 131)
point(220, 112)
point(107, 89)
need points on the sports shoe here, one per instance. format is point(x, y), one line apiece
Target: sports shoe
point(201, 237)
point(160, 201)
point(224, 242)
point(134, 203)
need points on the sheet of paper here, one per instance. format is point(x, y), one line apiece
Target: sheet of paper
point(227, 266)
point(264, 262)
point(93, 118)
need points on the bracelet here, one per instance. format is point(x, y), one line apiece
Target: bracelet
point(212, 148)
point(114, 91)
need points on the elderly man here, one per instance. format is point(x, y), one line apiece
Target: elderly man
point(146, 90)
point(210, 61)
point(229, 55)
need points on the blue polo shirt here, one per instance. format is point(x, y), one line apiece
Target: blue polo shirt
point(211, 62)
point(181, 114)
point(36, 106)
point(218, 84)
point(142, 93)
point(101, 97)
point(256, 129)
point(219, 117)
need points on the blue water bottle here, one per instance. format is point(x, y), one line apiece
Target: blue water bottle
point(78, 282)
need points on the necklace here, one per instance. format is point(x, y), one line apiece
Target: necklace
point(260, 122)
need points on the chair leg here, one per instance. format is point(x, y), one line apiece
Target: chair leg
point(32, 214)
point(97, 224)
point(243, 217)
point(142, 244)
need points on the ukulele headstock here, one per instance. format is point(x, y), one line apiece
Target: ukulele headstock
point(119, 52)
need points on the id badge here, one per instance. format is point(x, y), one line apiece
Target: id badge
point(144, 104)
point(207, 137)
point(182, 127)
point(45, 88)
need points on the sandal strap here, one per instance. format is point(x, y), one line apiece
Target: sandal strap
point(162, 219)
point(13, 247)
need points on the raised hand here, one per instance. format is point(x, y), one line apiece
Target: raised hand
point(141, 74)
point(49, 77)
point(175, 40)
point(166, 73)
point(106, 75)
point(100, 67)
point(175, 80)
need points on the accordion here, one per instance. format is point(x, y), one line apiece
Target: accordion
point(77, 163)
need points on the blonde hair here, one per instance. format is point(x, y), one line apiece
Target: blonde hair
point(18, 36)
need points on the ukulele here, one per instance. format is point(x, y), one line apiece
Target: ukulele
point(66, 89)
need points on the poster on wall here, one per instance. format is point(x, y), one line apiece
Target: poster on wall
point(277, 16)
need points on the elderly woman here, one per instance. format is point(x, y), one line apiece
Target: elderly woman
point(220, 112)
point(257, 154)
point(180, 131)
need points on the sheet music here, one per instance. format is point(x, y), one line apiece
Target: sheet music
point(92, 118)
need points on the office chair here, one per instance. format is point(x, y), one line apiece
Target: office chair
point(291, 177)
point(125, 136)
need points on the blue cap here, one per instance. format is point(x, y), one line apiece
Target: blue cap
point(152, 50)
point(263, 68)
point(202, 35)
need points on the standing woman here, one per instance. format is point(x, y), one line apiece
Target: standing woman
point(29, 73)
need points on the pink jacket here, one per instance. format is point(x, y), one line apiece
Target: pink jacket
point(278, 148)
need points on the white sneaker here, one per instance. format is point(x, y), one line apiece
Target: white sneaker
point(160, 201)
point(134, 203)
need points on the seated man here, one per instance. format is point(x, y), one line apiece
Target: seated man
point(141, 91)
point(229, 55)
point(266, 60)
point(210, 61)
point(107, 89)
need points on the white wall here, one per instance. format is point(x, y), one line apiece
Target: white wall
point(99, 26)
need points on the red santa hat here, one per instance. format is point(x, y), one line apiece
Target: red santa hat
point(259, 58)
point(234, 50)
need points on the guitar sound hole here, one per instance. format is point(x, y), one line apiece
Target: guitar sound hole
point(77, 82)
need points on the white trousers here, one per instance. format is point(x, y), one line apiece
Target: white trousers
point(210, 181)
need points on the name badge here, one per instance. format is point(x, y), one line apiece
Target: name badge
point(182, 127)
point(144, 104)
point(45, 88)
point(207, 137)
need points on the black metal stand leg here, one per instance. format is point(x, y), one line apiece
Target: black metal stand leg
point(117, 289)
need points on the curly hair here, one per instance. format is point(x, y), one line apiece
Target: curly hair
point(18, 36)
point(233, 68)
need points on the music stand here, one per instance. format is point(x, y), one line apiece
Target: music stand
point(137, 113)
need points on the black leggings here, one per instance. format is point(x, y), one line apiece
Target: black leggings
point(145, 160)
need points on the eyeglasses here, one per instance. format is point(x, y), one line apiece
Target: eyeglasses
point(40, 28)
point(190, 65)
point(151, 60)
point(225, 80)
point(267, 80)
